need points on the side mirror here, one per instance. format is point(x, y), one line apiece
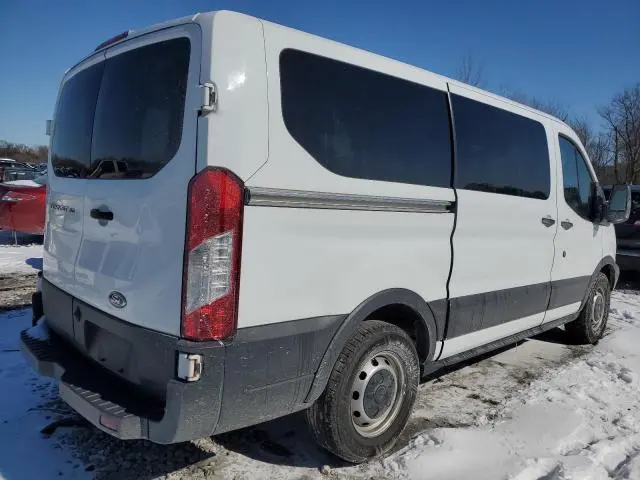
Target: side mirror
point(619, 207)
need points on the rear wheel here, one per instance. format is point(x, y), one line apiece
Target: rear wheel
point(592, 321)
point(370, 393)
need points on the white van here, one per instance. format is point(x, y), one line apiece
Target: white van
point(245, 221)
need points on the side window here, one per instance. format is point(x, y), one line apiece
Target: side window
point(577, 181)
point(365, 124)
point(499, 151)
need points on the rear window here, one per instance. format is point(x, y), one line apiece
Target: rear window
point(123, 117)
point(71, 142)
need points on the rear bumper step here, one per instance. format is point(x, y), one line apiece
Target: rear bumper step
point(112, 404)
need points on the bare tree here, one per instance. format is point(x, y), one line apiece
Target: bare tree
point(622, 121)
point(596, 144)
point(23, 153)
point(471, 72)
point(552, 107)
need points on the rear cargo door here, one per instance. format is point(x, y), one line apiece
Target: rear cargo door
point(70, 156)
point(129, 261)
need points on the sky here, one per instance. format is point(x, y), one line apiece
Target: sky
point(578, 53)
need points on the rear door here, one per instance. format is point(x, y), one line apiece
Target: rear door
point(70, 156)
point(143, 154)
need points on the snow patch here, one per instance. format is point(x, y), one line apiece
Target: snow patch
point(23, 183)
point(578, 421)
point(19, 258)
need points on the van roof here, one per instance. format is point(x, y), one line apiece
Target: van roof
point(209, 16)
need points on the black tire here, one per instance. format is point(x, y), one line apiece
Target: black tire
point(588, 328)
point(332, 417)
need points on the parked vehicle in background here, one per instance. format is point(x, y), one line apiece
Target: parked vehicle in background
point(628, 234)
point(245, 221)
point(8, 163)
point(23, 205)
point(19, 173)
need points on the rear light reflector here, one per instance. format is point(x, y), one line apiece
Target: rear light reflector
point(112, 423)
point(212, 255)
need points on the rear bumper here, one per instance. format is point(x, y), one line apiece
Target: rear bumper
point(123, 378)
point(628, 259)
point(189, 410)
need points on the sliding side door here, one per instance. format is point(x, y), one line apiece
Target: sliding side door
point(507, 219)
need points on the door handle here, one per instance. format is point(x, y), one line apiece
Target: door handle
point(101, 214)
point(548, 221)
point(566, 224)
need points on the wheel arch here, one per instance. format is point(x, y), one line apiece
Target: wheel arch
point(399, 306)
point(607, 266)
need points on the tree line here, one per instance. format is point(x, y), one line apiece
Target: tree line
point(23, 153)
point(613, 147)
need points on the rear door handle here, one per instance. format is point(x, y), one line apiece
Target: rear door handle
point(566, 224)
point(548, 221)
point(101, 214)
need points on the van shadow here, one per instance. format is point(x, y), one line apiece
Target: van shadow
point(285, 442)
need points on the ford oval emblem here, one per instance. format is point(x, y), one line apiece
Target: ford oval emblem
point(117, 299)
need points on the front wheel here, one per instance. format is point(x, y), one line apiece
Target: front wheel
point(370, 393)
point(592, 321)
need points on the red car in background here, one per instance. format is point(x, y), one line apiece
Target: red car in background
point(23, 205)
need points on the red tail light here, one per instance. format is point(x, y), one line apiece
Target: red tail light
point(212, 255)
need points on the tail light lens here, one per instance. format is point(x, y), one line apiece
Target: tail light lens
point(212, 257)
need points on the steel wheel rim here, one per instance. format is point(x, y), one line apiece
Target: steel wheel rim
point(597, 310)
point(376, 393)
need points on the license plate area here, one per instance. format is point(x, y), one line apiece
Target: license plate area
point(106, 347)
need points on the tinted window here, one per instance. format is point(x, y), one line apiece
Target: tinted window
point(138, 121)
point(577, 181)
point(365, 124)
point(71, 142)
point(132, 104)
point(499, 151)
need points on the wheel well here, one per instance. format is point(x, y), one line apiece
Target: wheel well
point(609, 272)
point(408, 320)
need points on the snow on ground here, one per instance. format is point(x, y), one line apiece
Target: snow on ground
point(24, 258)
point(541, 410)
point(23, 183)
point(27, 404)
point(579, 421)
